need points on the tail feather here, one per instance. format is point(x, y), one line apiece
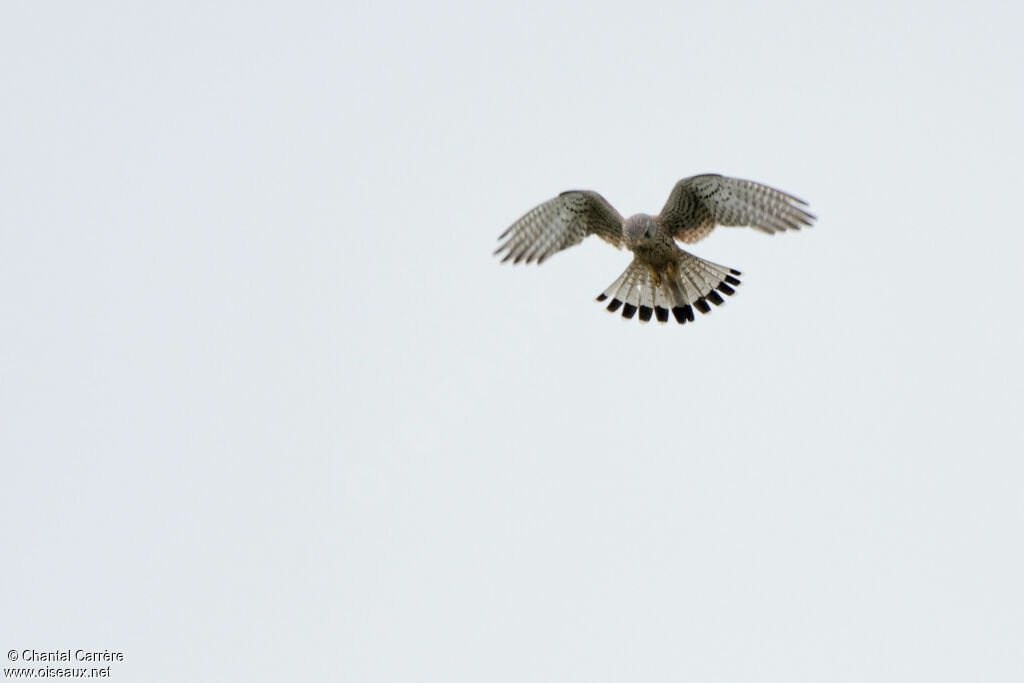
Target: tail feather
point(696, 283)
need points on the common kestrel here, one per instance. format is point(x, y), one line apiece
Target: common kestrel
point(662, 277)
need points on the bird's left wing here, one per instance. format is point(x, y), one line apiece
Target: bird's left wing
point(699, 203)
point(560, 223)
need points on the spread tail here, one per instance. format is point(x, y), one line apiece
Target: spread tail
point(693, 285)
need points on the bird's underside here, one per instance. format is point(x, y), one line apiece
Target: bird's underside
point(662, 278)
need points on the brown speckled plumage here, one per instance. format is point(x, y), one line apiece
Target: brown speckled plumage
point(662, 277)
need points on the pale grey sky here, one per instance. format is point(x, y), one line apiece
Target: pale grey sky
point(270, 410)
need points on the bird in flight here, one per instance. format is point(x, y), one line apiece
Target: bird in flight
point(662, 277)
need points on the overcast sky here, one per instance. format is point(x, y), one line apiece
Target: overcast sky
point(270, 410)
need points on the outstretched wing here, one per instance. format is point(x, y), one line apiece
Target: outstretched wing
point(698, 204)
point(560, 223)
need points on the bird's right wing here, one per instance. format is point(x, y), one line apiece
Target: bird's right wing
point(698, 204)
point(560, 223)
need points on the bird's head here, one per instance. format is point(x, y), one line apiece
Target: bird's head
point(639, 229)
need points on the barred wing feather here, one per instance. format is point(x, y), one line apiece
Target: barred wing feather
point(699, 203)
point(560, 223)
